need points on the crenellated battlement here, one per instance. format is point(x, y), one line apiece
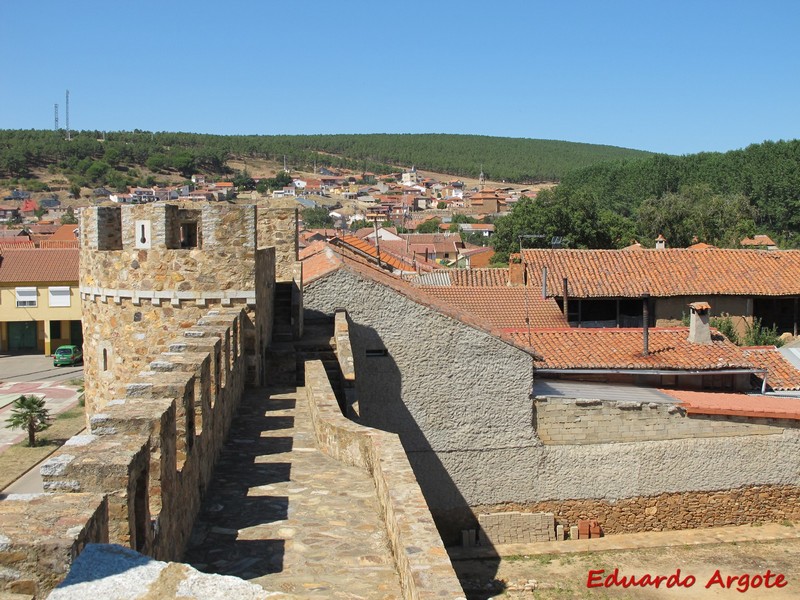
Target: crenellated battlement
point(149, 271)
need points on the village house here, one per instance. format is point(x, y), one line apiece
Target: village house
point(604, 288)
point(40, 306)
point(462, 420)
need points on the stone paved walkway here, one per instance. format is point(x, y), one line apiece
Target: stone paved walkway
point(285, 516)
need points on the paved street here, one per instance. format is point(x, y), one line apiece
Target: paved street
point(35, 367)
point(33, 374)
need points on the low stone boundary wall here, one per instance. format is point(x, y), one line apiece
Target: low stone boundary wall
point(42, 534)
point(584, 421)
point(671, 511)
point(422, 562)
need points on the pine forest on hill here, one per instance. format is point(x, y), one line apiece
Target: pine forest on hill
point(716, 198)
point(502, 159)
point(607, 196)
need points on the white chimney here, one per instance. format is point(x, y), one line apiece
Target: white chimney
point(661, 242)
point(699, 331)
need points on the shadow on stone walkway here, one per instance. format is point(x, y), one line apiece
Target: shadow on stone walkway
point(284, 515)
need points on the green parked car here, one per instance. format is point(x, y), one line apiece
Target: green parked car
point(67, 355)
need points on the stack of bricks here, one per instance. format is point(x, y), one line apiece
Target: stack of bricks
point(516, 528)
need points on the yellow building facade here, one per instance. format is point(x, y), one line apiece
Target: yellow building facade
point(40, 306)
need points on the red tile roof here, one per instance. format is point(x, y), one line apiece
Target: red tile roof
point(352, 243)
point(51, 243)
point(622, 349)
point(38, 265)
point(16, 243)
point(479, 277)
point(502, 306)
point(781, 374)
point(758, 240)
point(668, 272)
point(334, 258)
point(741, 405)
point(65, 232)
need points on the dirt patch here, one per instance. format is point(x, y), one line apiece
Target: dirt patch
point(19, 458)
point(566, 576)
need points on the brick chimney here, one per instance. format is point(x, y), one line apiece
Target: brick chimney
point(516, 270)
point(661, 242)
point(699, 332)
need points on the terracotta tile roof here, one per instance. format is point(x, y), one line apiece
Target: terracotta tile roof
point(741, 405)
point(781, 374)
point(668, 272)
point(65, 232)
point(38, 265)
point(352, 243)
point(44, 228)
point(16, 243)
point(502, 306)
point(479, 277)
point(51, 243)
point(758, 240)
point(622, 349)
point(321, 262)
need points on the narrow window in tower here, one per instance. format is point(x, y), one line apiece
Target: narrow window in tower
point(189, 235)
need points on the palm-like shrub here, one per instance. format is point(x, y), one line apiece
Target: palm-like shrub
point(30, 413)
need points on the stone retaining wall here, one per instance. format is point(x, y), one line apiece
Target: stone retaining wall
point(686, 510)
point(581, 421)
point(516, 528)
point(422, 561)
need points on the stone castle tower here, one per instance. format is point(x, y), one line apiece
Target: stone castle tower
point(149, 271)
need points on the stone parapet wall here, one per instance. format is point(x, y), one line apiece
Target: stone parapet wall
point(670, 511)
point(344, 350)
point(222, 259)
point(422, 561)
point(278, 227)
point(153, 449)
point(581, 421)
point(42, 534)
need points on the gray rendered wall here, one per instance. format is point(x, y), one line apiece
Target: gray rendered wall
point(459, 399)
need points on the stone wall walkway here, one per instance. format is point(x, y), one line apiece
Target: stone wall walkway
point(283, 515)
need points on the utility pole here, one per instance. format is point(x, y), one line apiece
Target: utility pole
point(55, 112)
point(69, 135)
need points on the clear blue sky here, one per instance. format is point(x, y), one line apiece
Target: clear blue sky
point(677, 76)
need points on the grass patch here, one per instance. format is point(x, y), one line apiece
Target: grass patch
point(19, 458)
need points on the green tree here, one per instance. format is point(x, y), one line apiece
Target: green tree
point(75, 190)
point(429, 226)
point(242, 180)
point(317, 218)
point(69, 217)
point(696, 213)
point(156, 162)
point(757, 335)
point(29, 412)
point(360, 224)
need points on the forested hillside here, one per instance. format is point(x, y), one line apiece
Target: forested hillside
point(91, 159)
point(709, 197)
